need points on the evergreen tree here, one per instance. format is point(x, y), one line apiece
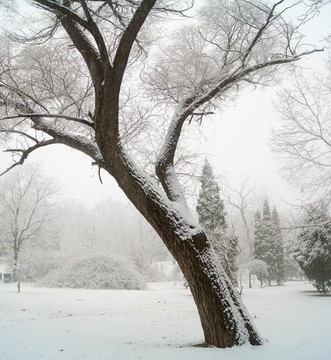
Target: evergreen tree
point(232, 254)
point(210, 209)
point(268, 245)
point(279, 258)
point(313, 252)
point(259, 244)
point(259, 247)
point(269, 256)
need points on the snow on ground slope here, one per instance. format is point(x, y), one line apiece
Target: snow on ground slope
point(158, 323)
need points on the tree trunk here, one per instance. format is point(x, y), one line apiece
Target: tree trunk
point(15, 265)
point(250, 280)
point(224, 318)
point(16, 269)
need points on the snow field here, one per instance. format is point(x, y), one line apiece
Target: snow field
point(158, 323)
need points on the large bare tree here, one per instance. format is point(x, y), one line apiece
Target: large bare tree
point(125, 78)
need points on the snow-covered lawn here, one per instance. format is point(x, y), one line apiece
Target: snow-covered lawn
point(160, 323)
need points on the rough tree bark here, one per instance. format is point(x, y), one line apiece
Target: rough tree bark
point(224, 318)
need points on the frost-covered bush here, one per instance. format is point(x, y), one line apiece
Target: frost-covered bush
point(96, 272)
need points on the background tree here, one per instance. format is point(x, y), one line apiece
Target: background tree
point(232, 253)
point(304, 138)
point(303, 141)
point(268, 239)
point(89, 230)
point(279, 257)
point(24, 200)
point(268, 245)
point(258, 268)
point(292, 268)
point(231, 43)
point(240, 199)
point(210, 209)
point(313, 251)
point(260, 246)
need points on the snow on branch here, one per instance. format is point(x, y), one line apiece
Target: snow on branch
point(59, 116)
point(164, 164)
point(58, 136)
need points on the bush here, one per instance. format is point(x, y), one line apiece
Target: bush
point(96, 272)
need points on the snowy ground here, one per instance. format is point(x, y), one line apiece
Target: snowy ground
point(160, 323)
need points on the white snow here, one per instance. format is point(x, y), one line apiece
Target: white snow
point(158, 323)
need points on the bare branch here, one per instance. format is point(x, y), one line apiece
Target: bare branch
point(304, 138)
point(129, 36)
point(70, 21)
point(187, 108)
point(58, 116)
point(26, 153)
point(261, 31)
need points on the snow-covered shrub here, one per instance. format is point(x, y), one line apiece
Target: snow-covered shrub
point(96, 272)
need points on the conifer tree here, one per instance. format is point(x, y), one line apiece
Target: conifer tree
point(232, 253)
point(279, 259)
point(268, 245)
point(258, 238)
point(210, 209)
point(268, 256)
point(259, 244)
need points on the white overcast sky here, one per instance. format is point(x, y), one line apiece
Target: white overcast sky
point(236, 139)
